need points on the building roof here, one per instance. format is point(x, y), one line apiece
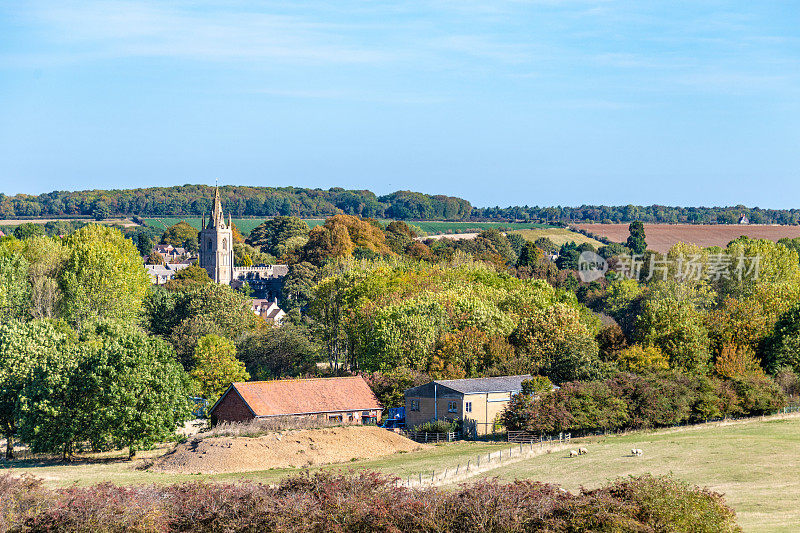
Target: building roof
point(479, 385)
point(304, 396)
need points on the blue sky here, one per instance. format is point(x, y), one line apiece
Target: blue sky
point(503, 102)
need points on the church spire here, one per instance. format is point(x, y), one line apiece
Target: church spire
point(217, 218)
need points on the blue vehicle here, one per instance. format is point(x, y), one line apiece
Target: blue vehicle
point(395, 418)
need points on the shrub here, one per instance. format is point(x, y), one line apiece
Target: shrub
point(366, 501)
point(642, 401)
point(437, 426)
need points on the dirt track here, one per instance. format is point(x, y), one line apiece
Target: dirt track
point(295, 448)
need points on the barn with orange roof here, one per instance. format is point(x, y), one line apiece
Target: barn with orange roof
point(344, 399)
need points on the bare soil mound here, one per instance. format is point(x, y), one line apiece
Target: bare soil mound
point(295, 448)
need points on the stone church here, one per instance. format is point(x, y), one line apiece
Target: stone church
point(216, 256)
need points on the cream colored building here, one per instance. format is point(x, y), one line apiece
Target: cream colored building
point(478, 402)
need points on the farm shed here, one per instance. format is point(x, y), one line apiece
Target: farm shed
point(478, 402)
point(347, 399)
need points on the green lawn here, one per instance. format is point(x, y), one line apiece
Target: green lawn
point(756, 464)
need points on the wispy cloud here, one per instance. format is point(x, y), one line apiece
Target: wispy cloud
point(104, 29)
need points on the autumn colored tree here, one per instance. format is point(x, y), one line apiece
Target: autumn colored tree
point(340, 235)
point(46, 257)
point(279, 235)
point(103, 276)
point(155, 258)
point(737, 361)
point(179, 233)
point(216, 366)
point(640, 359)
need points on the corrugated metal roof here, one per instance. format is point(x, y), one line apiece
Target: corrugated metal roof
point(306, 396)
point(476, 385)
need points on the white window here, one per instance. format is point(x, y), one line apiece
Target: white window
point(415, 405)
point(467, 407)
point(452, 407)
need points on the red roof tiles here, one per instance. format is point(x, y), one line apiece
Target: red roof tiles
point(306, 396)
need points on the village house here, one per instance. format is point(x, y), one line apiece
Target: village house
point(160, 274)
point(269, 310)
point(345, 399)
point(477, 402)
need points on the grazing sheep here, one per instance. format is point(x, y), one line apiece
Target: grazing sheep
point(573, 453)
point(582, 451)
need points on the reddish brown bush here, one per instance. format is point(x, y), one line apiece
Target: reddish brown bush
point(359, 503)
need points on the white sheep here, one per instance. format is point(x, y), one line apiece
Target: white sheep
point(582, 451)
point(573, 453)
point(636, 451)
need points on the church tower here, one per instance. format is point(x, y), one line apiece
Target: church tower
point(216, 245)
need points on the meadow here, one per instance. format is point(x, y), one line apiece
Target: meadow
point(755, 463)
point(431, 227)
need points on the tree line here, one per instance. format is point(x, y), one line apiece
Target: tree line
point(195, 200)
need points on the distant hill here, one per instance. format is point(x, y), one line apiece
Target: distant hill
point(245, 201)
point(195, 200)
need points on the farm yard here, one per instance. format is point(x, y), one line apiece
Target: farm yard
point(755, 463)
point(661, 237)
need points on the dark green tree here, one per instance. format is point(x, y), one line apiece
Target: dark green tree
point(636, 241)
point(272, 353)
point(278, 235)
point(28, 230)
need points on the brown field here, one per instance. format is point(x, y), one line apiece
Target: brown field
point(661, 237)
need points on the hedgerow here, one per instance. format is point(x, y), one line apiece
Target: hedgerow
point(362, 502)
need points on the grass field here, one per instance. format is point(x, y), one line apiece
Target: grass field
point(431, 227)
point(559, 236)
point(114, 468)
point(755, 463)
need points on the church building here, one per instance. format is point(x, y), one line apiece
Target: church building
point(216, 245)
point(216, 256)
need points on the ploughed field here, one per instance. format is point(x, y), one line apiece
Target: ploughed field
point(661, 237)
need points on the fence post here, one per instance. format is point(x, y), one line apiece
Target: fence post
point(420, 479)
